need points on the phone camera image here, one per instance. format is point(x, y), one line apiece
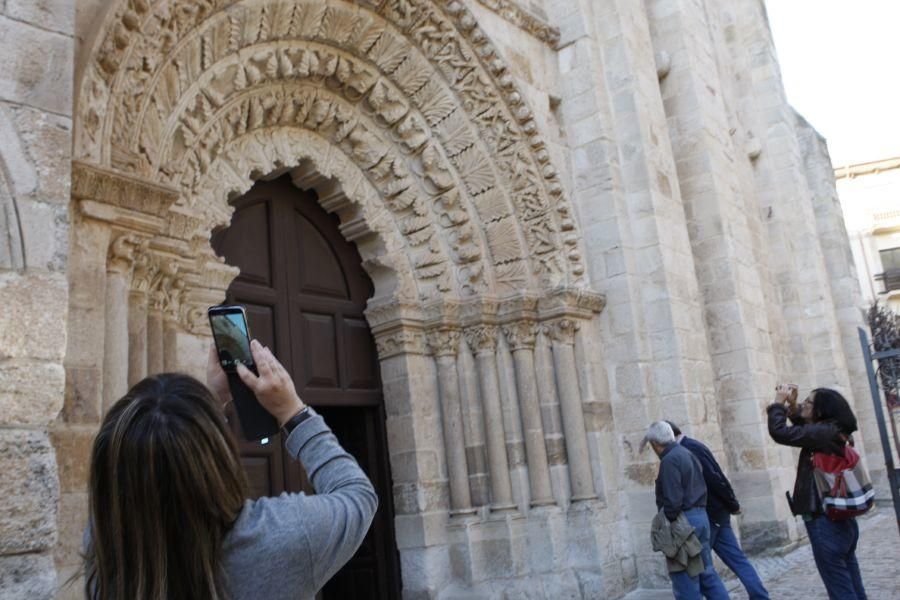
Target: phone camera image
point(231, 339)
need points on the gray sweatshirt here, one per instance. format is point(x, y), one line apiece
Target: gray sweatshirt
point(291, 545)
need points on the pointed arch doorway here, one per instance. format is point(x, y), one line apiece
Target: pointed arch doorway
point(305, 292)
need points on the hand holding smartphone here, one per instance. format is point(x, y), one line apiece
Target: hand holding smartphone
point(272, 386)
point(232, 339)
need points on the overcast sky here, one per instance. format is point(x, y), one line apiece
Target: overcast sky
point(840, 61)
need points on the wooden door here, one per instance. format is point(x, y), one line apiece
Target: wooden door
point(305, 292)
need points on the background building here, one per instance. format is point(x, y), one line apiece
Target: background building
point(870, 198)
point(492, 240)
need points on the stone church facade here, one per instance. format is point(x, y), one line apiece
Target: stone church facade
point(576, 216)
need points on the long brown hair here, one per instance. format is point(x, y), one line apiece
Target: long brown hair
point(166, 485)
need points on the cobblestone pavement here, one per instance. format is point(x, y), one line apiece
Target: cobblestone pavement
point(794, 575)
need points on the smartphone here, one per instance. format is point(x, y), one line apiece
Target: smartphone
point(232, 338)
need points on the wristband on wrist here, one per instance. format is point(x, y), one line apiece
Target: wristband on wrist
point(292, 423)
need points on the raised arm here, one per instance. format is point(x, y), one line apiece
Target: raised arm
point(811, 435)
point(334, 522)
point(336, 519)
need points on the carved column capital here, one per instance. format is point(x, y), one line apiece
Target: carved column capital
point(192, 317)
point(482, 338)
point(167, 288)
point(400, 341)
point(562, 331)
point(444, 342)
point(521, 335)
point(146, 267)
point(121, 254)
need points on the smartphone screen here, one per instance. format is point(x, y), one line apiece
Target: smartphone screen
point(229, 327)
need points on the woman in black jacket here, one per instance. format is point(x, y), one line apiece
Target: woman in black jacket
point(823, 422)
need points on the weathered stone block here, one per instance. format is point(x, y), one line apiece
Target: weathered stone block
point(765, 536)
point(46, 141)
point(30, 492)
point(27, 577)
point(45, 234)
point(38, 328)
point(58, 15)
point(39, 72)
point(73, 453)
point(31, 392)
point(83, 399)
point(73, 514)
point(70, 584)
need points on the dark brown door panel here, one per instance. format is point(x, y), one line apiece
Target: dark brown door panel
point(305, 293)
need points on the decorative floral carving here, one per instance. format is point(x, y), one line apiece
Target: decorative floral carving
point(563, 330)
point(404, 341)
point(146, 265)
point(482, 338)
point(444, 342)
point(521, 335)
point(120, 257)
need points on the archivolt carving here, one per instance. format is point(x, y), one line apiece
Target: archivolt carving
point(206, 95)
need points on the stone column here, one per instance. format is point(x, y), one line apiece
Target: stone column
point(170, 342)
point(155, 351)
point(562, 333)
point(473, 427)
point(521, 338)
point(551, 419)
point(444, 344)
point(115, 355)
point(165, 295)
point(482, 340)
point(144, 271)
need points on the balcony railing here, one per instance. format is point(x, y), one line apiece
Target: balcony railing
point(891, 279)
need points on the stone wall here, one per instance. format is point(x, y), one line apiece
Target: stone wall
point(35, 129)
point(610, 216)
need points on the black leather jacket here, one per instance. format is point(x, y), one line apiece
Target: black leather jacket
point(810, 437)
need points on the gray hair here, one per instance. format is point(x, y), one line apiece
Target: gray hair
point(660, 433)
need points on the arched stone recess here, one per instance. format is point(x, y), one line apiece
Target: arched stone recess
point(403, 119)
point(411, 90)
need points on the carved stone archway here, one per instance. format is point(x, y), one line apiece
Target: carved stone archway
point(411, 92)
point(404, 120)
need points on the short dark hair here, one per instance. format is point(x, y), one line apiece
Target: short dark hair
point(830, 405)
point(674, 427)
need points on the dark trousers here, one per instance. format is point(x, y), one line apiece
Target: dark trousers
point(707, 584)
point(834, 548)
point(726, 545)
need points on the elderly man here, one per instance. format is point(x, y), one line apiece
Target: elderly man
point(680, 489)
point(721, 503)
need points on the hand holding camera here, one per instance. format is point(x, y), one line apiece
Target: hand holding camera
point(786, 393)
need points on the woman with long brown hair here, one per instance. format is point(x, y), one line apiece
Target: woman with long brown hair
point(168, 514)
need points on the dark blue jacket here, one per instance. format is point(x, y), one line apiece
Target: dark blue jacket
point(679, 485)
point(721, 502)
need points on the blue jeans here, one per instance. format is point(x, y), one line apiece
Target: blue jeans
point(834, 548)
point(707, 584)
point(725, 544)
